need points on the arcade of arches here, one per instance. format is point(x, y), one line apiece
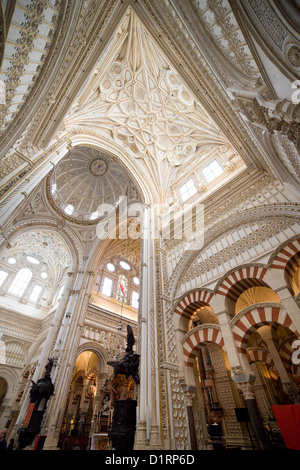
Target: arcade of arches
point(150, 177)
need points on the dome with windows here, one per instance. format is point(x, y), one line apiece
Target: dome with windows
point(85, 179)
point(34, 270)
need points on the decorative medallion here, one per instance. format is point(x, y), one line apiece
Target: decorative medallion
point(293, 56)
point(98, 167)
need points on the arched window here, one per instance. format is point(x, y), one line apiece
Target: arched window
point(20, 282)
point(107, 286)
point(35, 293)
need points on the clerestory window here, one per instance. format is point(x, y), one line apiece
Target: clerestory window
point(20, 282)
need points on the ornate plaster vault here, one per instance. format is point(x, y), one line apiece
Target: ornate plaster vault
point(152, 110)
point(84, 181)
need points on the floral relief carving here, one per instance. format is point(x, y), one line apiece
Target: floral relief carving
point(144, 106)
point(9, 164)
point(268, 21)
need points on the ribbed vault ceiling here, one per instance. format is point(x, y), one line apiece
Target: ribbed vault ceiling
point(136, 98)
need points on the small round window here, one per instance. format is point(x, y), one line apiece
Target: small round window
point(124, 265)
point(110, 267)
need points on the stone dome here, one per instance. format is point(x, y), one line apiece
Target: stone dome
point(84, 179)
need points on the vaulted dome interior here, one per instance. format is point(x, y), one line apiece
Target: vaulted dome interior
point(85, 180)
point(149, 225)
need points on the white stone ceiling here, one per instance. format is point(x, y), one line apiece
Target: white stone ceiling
point(140, 102)
point(224, 30)
point(27, 44)
point(128, 249)
point(85, 179)
point(49, 248)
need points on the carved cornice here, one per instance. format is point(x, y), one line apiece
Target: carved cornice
point(20, 326)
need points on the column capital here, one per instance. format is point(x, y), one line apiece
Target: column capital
point(247, 390)
point(189, 393)
point(244, 382)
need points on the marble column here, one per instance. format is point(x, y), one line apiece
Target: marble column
point(67, 340)
point(290, 388)
point(54, 329)
point(143, 346)
point(189, 394)
point(244, 383)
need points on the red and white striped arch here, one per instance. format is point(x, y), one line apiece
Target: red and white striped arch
point(283, 257)
point(192, 301)
point(237, 282)
point(259, 355)
point(209, 334)
point(244, 327)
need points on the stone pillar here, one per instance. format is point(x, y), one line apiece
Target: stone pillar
point(290, 388)
point(290, 305)
point(143, 346)
point(236, 360)
point(67, 339)
point(148, 434)
point(244, 383)
point(154, 431)
point(189, 394)
point(57, 320)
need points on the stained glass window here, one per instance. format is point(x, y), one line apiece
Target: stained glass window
point(122, 288)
